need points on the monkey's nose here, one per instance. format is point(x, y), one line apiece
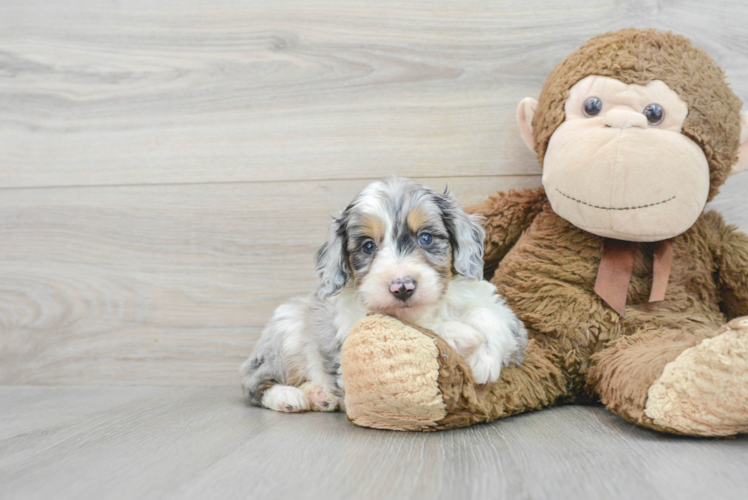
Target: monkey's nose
point(620, 118)
point(402, 289)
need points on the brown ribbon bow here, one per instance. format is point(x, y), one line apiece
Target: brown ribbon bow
point(616, 265)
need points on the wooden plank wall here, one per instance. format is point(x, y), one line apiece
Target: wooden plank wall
point(167, 168)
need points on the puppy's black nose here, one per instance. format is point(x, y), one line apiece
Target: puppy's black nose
point(402, 289)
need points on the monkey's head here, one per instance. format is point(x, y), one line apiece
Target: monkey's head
point(636, 131)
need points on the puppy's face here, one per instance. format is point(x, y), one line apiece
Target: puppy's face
point(399, 254)
point(398, 244)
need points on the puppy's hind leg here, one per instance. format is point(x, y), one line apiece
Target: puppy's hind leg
point(265, 373)
point(262, 387)
point(318, 397)
point(321, 387)
point(324, 387)
point(285, 398)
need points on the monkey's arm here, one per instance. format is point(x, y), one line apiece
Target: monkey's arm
point(507, 215)
point(730, 249)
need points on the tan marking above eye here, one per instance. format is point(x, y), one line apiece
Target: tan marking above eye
point(372, 227)
point(417, 218)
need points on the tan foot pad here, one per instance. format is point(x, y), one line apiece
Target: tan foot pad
point(704, 391)
point(390, 372)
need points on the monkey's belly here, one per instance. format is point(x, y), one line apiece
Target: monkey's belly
point(549, 282)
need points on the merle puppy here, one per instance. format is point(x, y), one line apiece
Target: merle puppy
point(400, 249)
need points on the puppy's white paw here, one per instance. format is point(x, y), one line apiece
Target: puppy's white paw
point(320, 398)
point(286, 399)
point(465, 339)
point(486, 366)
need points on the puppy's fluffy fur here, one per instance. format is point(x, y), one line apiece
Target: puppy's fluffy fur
point(400, 249)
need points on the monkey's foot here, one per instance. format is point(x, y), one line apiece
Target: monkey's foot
point(391, 376)
point(407, 378)
point(704, 391)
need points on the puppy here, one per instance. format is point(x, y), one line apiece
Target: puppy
point(400, 249)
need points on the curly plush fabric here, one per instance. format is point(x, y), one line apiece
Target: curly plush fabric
point(402, 377)
point(677, 365)
point(391, 373)
point(639, 57)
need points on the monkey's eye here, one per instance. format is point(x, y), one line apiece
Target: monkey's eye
point(654, 113)
point(369, 247)
point(592, 106)
point(425, 239)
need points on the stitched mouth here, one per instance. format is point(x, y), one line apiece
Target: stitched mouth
point(614, 208)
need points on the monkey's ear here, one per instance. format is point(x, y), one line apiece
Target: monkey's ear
point(743, 148)
point(525, 113)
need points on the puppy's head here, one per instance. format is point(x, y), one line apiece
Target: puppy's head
point(398, 243)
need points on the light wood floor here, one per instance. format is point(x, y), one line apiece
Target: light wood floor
point(167, 170)
point(147, 442)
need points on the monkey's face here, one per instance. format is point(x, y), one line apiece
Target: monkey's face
point(619, 166)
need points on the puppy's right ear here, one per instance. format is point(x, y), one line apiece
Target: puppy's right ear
point(332, 260)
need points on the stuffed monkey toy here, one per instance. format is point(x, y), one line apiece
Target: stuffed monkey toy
point(630, 292)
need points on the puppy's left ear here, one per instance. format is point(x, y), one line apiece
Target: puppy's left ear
point(466, 236)
point(332, 260)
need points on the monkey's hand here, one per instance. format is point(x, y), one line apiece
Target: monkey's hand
point(731, 260)
point(506, 215)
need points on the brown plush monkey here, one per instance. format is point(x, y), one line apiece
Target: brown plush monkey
point(631, 293)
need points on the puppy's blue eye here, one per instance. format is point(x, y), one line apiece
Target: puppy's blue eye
point(425, 239)
point(369, 247)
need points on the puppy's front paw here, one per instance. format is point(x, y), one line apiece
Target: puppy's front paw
point(465, 339)
point(486, 367)
point(286, 399)
point(320, 399)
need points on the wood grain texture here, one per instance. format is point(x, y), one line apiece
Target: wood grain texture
point(193, 91)
point(205, 443)
point(160, 284)
point(167, 168)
